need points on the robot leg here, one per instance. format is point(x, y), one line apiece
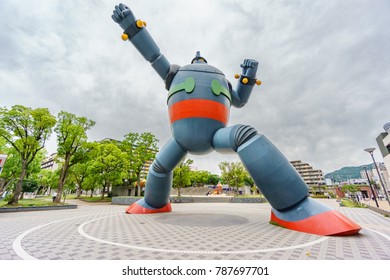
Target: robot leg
point(159, 181)
point(281, 184)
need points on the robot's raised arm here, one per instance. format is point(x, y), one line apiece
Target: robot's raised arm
point(136, 33)
point(246, 82)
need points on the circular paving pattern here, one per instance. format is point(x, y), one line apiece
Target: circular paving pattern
point(196, 233)
point(202, 220)
point(191, 231)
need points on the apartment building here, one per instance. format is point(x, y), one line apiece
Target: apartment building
point(50, 162)
point(311, 176)
point(383, 141)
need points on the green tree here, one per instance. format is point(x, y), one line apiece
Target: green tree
point(199, 177)
point(3, 148)
point(30, 185)
point(48, 179)
point(141, 149)
point(26, 130)
point(351, 190)
point(11, 168)
point(3, 145)
point(108, 166)
point(182, 175)
point(68, 187)
point(233, 173)
point(213, 179)
point(248, 180)
point(79, 172)
point(71, 135)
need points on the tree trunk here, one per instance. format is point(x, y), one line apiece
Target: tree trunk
point(18, 189)
point(36, 193)
point(2, 185)
point(138, 186)
point(61, 181)
point(104, 190)
point(178, 192)
point(78, 191)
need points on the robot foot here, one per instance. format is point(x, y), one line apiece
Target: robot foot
point(312, 217)
point(141, 207)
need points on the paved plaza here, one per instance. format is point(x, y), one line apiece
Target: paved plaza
point(193, 231)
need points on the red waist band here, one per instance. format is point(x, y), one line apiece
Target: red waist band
point(199, 108)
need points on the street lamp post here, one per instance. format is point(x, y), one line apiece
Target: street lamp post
point(372, 189)
point(371, 152)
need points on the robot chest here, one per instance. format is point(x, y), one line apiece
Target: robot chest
point(192, 99)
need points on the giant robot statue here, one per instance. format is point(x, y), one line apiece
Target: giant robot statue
point(199, 99)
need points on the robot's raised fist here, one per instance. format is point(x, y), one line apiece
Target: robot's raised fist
point(249, 67)
point(123, 16)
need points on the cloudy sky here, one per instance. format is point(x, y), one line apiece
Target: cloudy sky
point(325, 68)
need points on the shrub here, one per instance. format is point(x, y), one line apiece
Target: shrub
point(8, 197)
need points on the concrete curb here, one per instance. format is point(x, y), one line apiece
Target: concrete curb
point(248, 200)
point(36, 208)
point(378, 210)
point(124, 200)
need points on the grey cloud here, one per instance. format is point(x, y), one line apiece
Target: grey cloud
point(324, 65)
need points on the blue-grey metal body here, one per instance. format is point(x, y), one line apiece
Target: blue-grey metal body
point(197, 130)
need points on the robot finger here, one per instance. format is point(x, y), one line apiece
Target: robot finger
point(118, 9)
point(114, 18)
point(253, 64)
point(126, 12)
point(123, 7)
point(116, 15)
point(249, 63)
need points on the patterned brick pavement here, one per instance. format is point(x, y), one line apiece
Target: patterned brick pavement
point(221, 231)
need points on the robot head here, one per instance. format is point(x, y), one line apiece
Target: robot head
point(198, 59)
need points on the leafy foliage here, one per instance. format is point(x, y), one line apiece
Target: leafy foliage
point(182, 175)
point(141, 149)
point(71, 135)
point(108, 166)
point(26, 130)
point(30, 185)
point(233, 173)
point(350, 188)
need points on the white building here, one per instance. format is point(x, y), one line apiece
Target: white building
point(311, 176)
point(383, 141)
point(50, 162)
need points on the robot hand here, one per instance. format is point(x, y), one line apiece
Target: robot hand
point(123, 16)
point(249, 68)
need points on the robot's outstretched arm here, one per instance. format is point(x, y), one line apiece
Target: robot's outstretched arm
point(135, 31)
point(246, 82)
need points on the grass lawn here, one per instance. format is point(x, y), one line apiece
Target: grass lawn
point(95, 199)
point(349, 203)
point(250, 196)
point(30, 202)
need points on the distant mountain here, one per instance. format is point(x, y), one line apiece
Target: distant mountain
point(345, 173)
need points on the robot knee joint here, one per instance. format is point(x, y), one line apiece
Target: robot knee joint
point(243, 134)
point(158, 167)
